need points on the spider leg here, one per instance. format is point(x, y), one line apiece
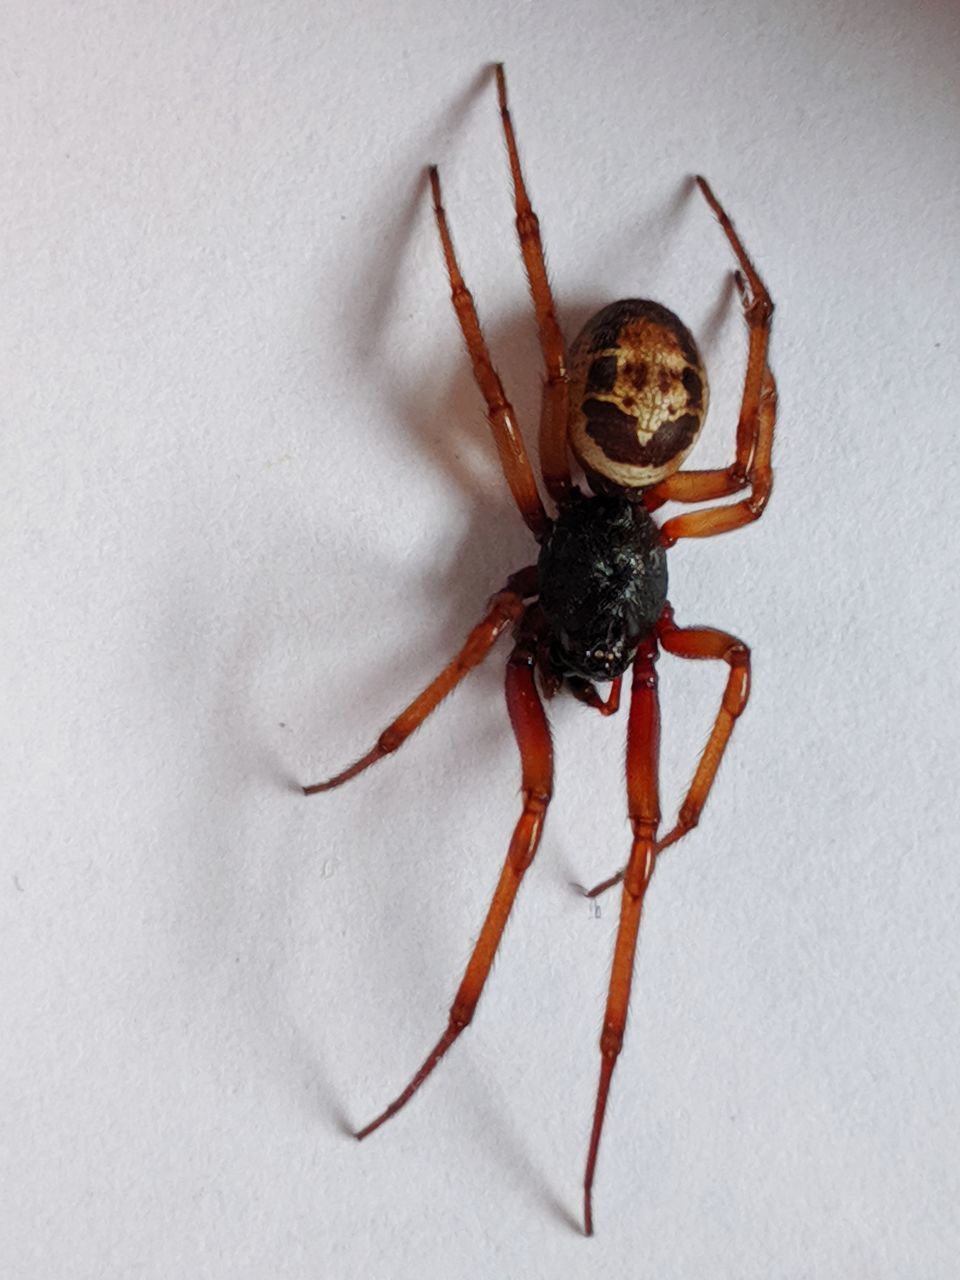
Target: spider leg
point(505, 607)
point(500, 414)
point(536, 755)
point(643, 751)
point(554, 464)
point(758, 411)
point(696, 486)
point(706, 642)
point(702, 642)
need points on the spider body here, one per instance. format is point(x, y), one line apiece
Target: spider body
point(638, 396)
point(603, 584)
point(628, 402)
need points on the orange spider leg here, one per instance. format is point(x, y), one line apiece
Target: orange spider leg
point(696, 486)
point(643, 753)
point(706, 642)
point(713, 520)
point(554, 464)
point(505, 607)
point(702, 642)
point(500, 415)
point(536, 755)
point(755, 426)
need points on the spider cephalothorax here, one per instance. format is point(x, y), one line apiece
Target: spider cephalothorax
point(603, 585)
point(629, 404)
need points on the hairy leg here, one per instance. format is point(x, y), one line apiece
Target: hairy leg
point(505, 607)
point(500, 414)
point(751, 465)
point(536, 755)
point(701, 642)
point(554, 463)
point(643, 755)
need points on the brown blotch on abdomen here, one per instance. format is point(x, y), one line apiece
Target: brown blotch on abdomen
point(602, 374)
point(614, 431)
point(693, 385)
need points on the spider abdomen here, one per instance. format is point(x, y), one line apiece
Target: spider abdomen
point(638, 395)
point(603, 585)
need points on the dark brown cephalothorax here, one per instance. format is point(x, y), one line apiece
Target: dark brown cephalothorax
point(628, 401)
point(638, 396)
point(602, 578)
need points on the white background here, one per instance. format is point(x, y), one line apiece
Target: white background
point(250, 506)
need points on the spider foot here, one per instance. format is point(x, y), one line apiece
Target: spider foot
point(603, 886)
point(372, 756)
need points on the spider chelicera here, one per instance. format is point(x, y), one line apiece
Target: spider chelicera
point(629, 399)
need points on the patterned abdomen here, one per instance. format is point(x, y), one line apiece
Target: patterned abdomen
point(638, 396)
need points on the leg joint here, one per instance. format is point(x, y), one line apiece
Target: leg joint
point(461, 1014)
point(528, 225)
point(508, 603)
point(640, 868)
point(688, 818)
point(536, 799)
point(645, 828)
point(390, 739)
point(611, 1041)
point(757, 503)
point(759, 309)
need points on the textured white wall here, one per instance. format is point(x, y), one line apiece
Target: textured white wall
point(250, 507)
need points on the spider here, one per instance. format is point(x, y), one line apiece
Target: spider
point(629, 399)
